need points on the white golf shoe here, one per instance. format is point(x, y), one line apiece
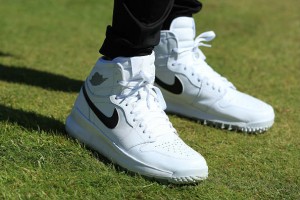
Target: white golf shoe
point(119, 113)
point(193, 89)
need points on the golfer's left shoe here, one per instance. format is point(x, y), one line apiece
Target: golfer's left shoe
point(119, 113)
point(193, 89)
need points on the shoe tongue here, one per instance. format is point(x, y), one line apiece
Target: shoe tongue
point(135, 71)
point(184, 30)
point(143, 64)
point(133, 66)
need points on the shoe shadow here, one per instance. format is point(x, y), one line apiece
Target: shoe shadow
point(31, 121)
point(3, 54)
point(46, 80)
point(35, 122)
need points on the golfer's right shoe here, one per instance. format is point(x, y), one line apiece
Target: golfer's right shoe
point(120, 114)
point(193, 89)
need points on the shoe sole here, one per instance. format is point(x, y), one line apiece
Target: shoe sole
point(206, 119)
point(86, 132)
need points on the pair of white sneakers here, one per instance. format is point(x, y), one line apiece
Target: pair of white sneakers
point(120, 113)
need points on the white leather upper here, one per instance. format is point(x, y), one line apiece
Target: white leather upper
point(203, 89)
point(144, 131)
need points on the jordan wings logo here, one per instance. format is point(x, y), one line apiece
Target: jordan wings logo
point(97, 79)
point(109, 122)
point(175, 88)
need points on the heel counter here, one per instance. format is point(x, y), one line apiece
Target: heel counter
point(163, 50)
point(81, 105)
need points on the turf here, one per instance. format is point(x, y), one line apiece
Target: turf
point(47, 48)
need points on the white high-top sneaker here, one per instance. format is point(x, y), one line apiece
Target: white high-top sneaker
point(120, 114)
point(193, 89)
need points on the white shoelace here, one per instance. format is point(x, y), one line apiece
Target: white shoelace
point(140, 88)
point(143, 82)
point(205, 71)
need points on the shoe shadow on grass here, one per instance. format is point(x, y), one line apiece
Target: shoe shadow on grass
point(31, 121)
point(46, 80)
point(4, 54)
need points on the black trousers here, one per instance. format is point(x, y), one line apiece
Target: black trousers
point(136, 25)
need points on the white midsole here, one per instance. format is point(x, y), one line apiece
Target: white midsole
point(192, 112)
point(81, 128)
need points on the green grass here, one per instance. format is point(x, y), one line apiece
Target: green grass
point(47, 48)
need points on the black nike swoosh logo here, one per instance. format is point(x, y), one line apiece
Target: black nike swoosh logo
point(109, 122)
point(175, 88)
